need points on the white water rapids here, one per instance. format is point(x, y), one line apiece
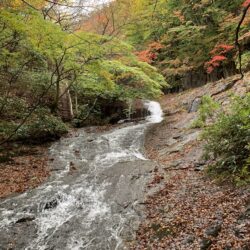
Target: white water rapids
point(96, 206)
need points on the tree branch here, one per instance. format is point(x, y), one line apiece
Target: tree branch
point(237, 43)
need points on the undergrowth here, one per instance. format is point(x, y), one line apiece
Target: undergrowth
point(227, 143)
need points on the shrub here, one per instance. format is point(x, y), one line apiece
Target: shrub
point(228, 143)
point(45, 126)
point(206, 110)
point(42, 126)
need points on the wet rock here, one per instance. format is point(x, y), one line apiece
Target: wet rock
point(99, 207)
point(51, 204)
point(205, 244)
point(214, 230)
point(25, 219)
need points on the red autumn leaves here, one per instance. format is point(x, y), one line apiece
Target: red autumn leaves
point(219, 54)
point(246, 3)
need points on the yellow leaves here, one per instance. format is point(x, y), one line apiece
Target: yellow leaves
point(108, 77)
point(16, 3)
point(19, 4)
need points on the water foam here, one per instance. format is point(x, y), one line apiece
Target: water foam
point(156, 113)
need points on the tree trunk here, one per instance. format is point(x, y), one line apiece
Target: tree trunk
point(65, 103)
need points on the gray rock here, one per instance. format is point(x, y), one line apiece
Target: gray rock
point(176, 163)
point(195, 105)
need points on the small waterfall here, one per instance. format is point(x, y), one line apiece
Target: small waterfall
point(156, 114)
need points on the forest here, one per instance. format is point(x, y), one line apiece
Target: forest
point(68, 66)
point(119, 52)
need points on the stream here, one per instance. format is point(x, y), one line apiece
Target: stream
point(94, 197)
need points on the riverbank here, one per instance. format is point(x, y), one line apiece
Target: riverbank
point(26, 166)
point(191, 211)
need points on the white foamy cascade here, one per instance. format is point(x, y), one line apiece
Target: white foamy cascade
point(156, 114)
point(92, 206)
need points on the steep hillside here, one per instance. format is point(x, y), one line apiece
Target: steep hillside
point(191, 211)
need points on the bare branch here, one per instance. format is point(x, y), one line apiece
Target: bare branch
point(237, 43)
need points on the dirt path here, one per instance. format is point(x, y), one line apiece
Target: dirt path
point(191, 211)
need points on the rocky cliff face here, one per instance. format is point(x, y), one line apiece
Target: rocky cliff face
point(198, 77)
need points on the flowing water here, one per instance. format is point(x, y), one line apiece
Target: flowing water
point(93, 199)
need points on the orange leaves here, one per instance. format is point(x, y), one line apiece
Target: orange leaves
point(219, 55)
point(25, 171)
point(151, 54)
point(246, 4)
point(155, 46)
point(222, 49)
point(146, 56)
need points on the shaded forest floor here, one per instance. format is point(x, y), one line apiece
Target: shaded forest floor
point(191, 211)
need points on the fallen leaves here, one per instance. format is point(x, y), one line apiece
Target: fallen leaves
point(189, 211)
point(24, 172)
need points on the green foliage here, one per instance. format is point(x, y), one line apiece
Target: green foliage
point(42, 126)
point(136, 80)
point(246, 61)
point(38, 58)
point(206, 110)
point(228, 143)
